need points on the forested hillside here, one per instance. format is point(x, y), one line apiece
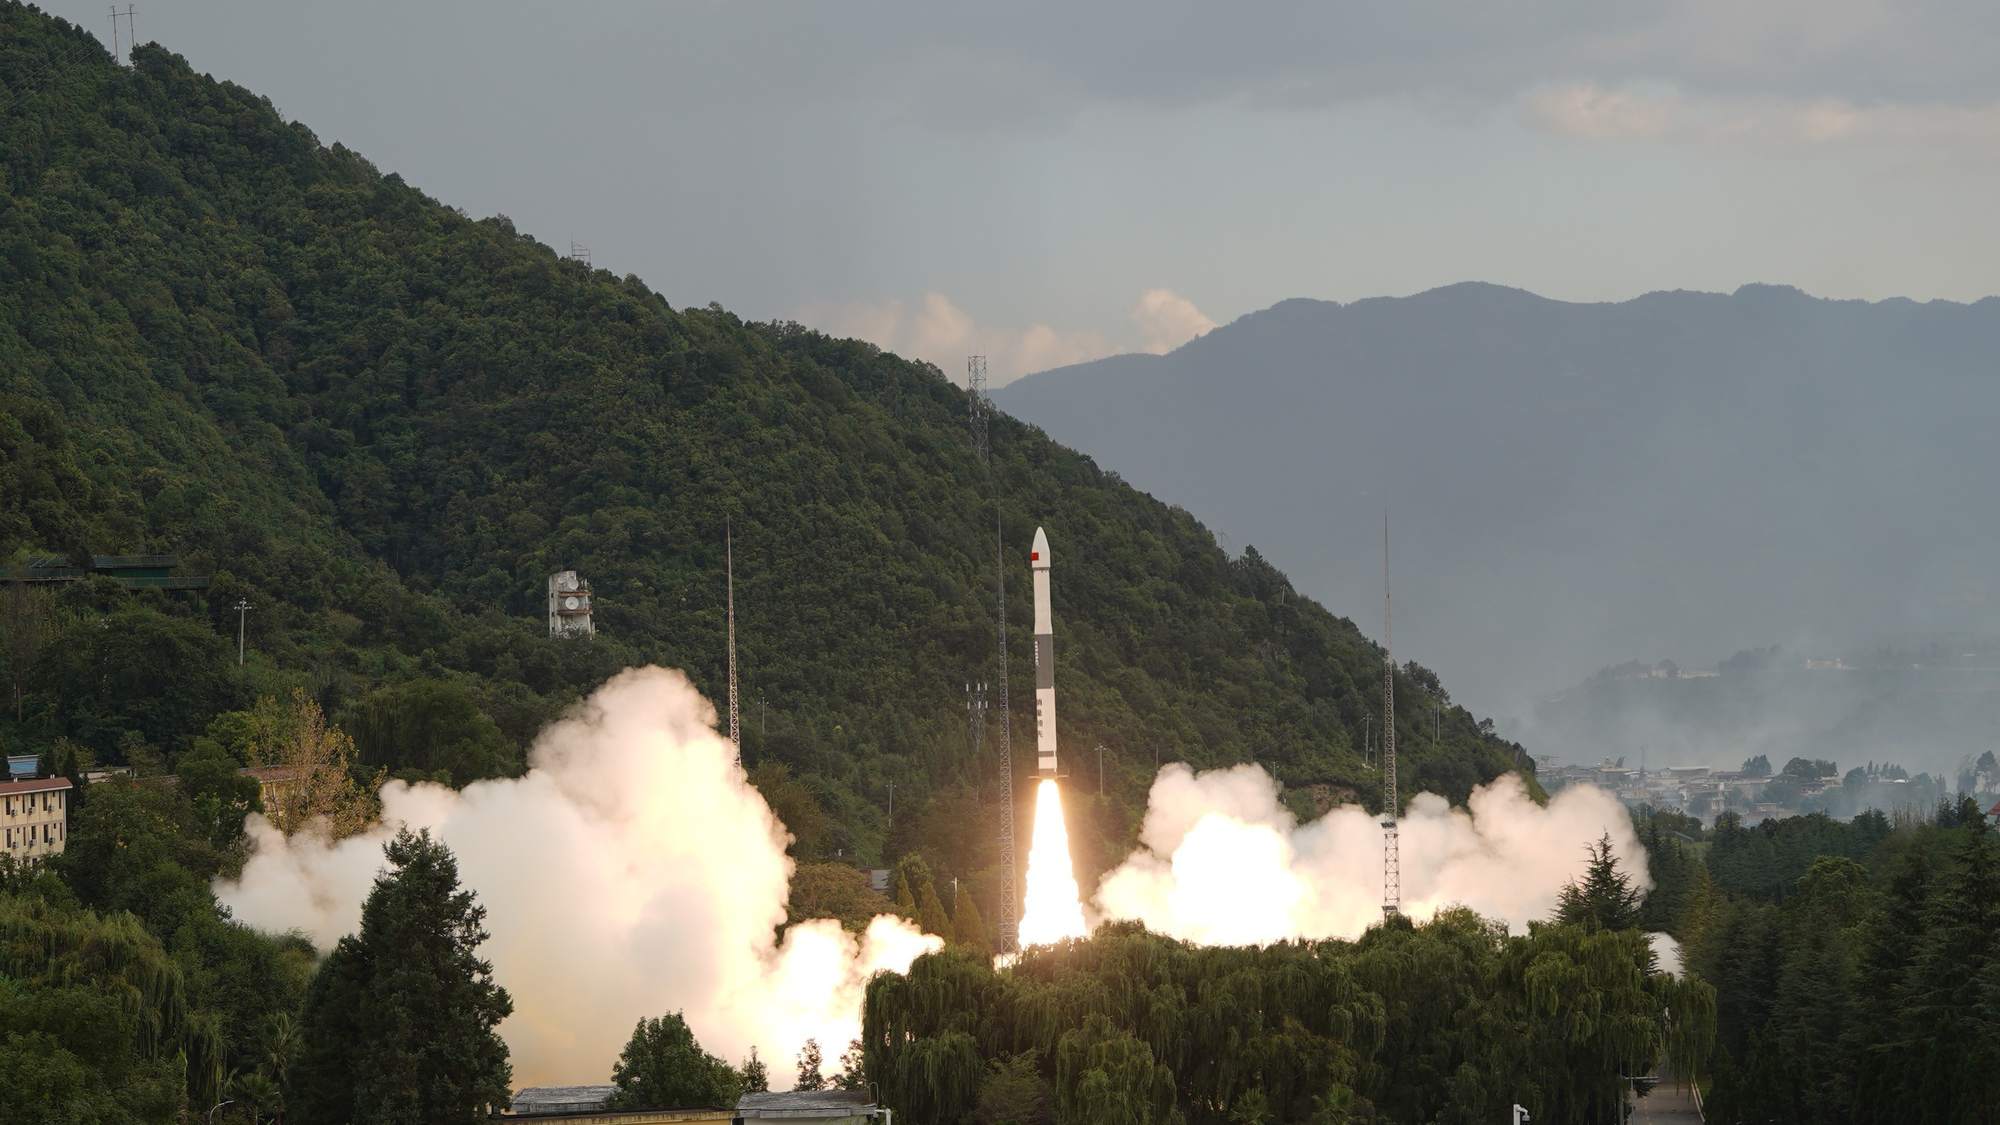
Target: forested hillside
point(383, 423)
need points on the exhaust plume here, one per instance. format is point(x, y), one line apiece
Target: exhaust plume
point(1221, 861)
point(1052, 909)
point(632, 871)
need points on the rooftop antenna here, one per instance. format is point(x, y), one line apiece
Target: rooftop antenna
point(729, 579)
point(1392, 864)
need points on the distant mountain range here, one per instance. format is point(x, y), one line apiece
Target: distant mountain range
point(1572, 484)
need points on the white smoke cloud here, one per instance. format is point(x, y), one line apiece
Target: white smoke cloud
point(631, 872)
point(1222, 861)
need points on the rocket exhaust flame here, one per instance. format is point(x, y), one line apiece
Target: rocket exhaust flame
point(1053, 909)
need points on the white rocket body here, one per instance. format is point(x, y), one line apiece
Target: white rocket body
point(1045, 661)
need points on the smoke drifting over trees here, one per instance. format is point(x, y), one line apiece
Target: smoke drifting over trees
point(1222, 861)
point(633, 870)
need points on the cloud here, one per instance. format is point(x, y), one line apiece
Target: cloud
point(1167, 320)
point(935, 329)
point(1638, 112)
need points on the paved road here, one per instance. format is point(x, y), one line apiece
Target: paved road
point(1668, 1104)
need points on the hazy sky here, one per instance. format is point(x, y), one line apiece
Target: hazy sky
point(1047, 182)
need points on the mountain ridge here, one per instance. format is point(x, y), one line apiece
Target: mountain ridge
point(1679, 471)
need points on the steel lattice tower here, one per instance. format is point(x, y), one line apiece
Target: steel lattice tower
point(979, 410)
point(729, 572)
point(1392, 862)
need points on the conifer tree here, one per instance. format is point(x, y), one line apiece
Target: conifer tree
point(930, 912)
point(756, 1077)
point(969, 928)
point(1605, 899)
point(398, 1026)
point(906, 901)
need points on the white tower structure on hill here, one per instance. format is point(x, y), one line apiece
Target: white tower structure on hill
point(569, 606)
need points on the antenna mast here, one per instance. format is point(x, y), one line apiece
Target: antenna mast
point(1392, 863)
point(980, 410)
point(729, 572)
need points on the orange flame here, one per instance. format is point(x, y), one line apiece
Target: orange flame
point(1052, 909)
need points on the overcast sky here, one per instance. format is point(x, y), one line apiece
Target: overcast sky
point(1051, 182)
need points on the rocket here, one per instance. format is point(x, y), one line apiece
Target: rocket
point(1045, 661)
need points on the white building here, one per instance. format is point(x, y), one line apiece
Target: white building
point(34, 817)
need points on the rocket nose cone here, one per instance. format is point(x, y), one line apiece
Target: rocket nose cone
point(1038, 555)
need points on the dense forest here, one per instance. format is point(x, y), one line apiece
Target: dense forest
point(1856, 963)
point(382, 424)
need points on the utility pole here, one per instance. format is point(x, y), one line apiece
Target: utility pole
point(892, 802)
point(1392, 863)
point(1100, 769)
point(243, 606)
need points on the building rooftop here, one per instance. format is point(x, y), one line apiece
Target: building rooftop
point(798, 1102)
point(266, 774)
point(561, 1099)
point(36, 785)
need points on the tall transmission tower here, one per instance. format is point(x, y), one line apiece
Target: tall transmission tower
point(131, 36)
point(729, 579)
point(1392, 862)
point(975, 387)
point(1008, 915)
point(980, 410)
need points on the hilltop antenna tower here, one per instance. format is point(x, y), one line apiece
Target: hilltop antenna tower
point(729, 580)
point(975, 388)
point(1392, 862)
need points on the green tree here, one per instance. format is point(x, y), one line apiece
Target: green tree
point(1013, 1093)
point(1759, 766)
point(969, 928)
point(429, 728)
point(756, 1077)
point(1605, 899)
point(222, 796)
point(662, 1067)
point(809, 1076)
point(417, 1045)
point(930, 912)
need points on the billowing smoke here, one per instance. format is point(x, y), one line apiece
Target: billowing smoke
point(631, 872)
point(1221, 861)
